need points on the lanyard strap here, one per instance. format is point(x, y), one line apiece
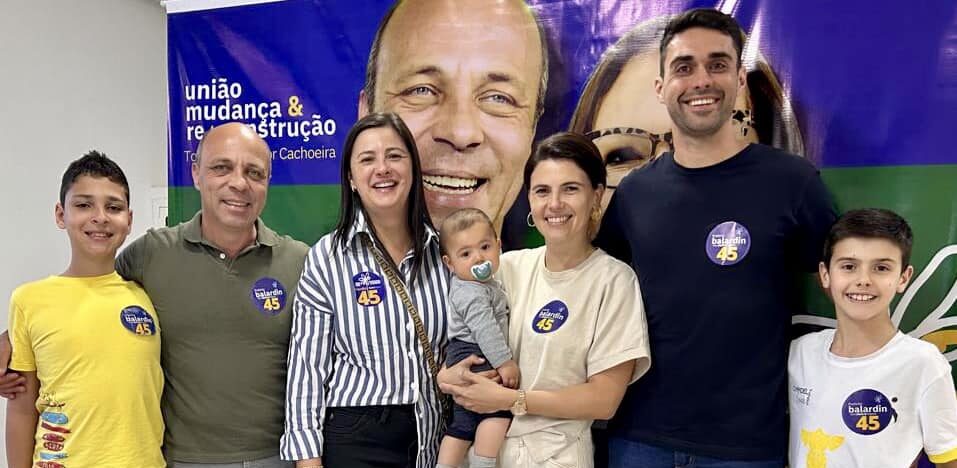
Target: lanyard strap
point(396, 283)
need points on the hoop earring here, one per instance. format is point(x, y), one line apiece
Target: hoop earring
point(529, 221)
point(594, 222)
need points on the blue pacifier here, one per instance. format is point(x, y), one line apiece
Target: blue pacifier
point(482, 271)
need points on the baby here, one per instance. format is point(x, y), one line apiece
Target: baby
point(478, 325)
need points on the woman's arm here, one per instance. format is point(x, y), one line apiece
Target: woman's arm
point(310, 463)
point(309, 367)
point(597, 398)
point(22, 424)
point(455, 375)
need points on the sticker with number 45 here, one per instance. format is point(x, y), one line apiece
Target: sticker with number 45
point(728, 253)
point(268, 295)
point(369, 288)
point(728, 243)
point(369, 297)
point(137, 320)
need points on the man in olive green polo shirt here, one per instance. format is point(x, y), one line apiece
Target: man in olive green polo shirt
point(223, 285)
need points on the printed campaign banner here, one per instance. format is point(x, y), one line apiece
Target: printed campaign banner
point(866, 90)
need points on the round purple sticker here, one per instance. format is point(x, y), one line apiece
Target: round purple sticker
point(728, 243)
point(868, 412)
point(138, 320)
point(550, 318)
point(369, 288)
point(269, 295)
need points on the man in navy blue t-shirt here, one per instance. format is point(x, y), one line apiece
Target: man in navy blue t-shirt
point(720, 232)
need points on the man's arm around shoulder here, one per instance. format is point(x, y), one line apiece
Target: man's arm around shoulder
point(11, 383)
point(130, 263)
point(22, 423)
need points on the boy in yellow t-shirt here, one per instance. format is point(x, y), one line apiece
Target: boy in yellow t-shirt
point(87, 342)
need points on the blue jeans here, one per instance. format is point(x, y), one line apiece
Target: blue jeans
point(623, 453)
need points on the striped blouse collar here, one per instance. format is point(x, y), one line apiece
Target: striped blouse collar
point(361, 226)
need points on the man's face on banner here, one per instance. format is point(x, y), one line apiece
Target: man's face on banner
point(464, 75)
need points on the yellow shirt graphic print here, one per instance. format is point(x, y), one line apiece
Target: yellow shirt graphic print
point(94, 343)
point(818, 443)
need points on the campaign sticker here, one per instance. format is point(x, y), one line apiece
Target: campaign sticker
point(269, 295)
point(728, 243)
point(369, 288)
point(550, 318)
point(868, 412)
point(138, 320)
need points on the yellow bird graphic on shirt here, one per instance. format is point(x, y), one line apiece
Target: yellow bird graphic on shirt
point(819, 442)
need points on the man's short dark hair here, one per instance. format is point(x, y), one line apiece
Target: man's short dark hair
point(707, 18)
point(94, 164)
point(372, 66)
point(871, 223)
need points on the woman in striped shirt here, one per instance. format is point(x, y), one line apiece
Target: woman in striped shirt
point(361, 389)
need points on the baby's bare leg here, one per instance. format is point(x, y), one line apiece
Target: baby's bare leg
point(489, 437)
point(452, 451)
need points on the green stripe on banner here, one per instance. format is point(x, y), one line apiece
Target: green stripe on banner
point(925, 195)
point(305, 212)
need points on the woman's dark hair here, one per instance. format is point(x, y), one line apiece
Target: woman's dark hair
point(573, 147)
point(643, 39)
point(417, 216)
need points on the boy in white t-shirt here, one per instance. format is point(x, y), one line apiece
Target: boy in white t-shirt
point(866, 395)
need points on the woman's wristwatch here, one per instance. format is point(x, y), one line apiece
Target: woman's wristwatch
point(519, 408)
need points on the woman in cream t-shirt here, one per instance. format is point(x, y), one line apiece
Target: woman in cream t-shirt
point(577, 326)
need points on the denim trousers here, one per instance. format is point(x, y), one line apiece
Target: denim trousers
point(623, 453)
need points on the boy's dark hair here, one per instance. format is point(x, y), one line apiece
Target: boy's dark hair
point(94, 164)
point(461, 220)
point(871, 223)
point(707, 18)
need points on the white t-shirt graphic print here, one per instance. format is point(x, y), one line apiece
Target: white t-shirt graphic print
point(874, 411)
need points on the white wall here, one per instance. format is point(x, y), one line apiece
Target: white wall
point(74, 76)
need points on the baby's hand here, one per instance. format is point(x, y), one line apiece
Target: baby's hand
point(510, 374)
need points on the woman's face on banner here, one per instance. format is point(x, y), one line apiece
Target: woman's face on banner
point(632, 106)
point(631, 103)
